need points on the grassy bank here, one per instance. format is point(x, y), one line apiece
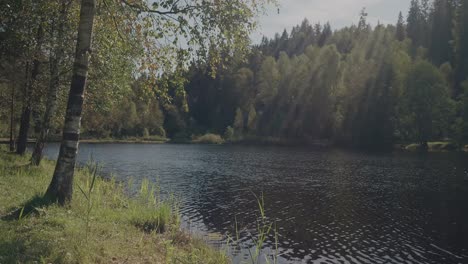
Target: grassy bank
point(109, 227)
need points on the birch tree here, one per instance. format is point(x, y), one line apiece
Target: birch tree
point(56, 57)
point(171, 32)
point(61, 187)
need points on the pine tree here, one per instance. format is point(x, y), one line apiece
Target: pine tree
point(414, 21)
point(400, 28)
point(362, 20)
point(426, 22)
point(461, 72)
point(440, 50)
point(325, 35)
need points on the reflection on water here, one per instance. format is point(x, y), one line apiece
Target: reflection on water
point(329, 206)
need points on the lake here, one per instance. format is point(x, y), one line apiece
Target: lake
point(328, 206)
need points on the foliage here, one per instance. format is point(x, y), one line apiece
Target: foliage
point(350, 86)
point(229, 134)
point(356, 88)
point(208, 139)
point(427, 102)
point(461, 123)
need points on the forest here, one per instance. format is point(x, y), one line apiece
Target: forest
point(357, 86)
point(362, 85)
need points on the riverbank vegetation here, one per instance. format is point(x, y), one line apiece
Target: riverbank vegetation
point(110, 227)
point(208, 139)
point(362, 85)
point(133, 51)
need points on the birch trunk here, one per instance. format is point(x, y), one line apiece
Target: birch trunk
point(51, 104)
point(61, 186)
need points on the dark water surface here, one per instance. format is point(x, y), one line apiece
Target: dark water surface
point(329, 206)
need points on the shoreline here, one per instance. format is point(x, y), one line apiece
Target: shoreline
point(435, 146)
point(121, 141)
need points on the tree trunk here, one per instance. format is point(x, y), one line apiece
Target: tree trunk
point(23, 134)
point(61, 186)
point(30, 86)
point(424, 146)
point(51, 103)
point(12, 119)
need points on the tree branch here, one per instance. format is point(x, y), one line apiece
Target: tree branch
point(174, 9)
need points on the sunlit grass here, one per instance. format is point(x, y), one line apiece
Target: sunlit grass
point(103, 226)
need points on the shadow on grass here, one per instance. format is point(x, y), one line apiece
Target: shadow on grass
point(31, 207)
point(23, 250)
point(20, 247)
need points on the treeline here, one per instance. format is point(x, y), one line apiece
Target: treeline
point(359, 86)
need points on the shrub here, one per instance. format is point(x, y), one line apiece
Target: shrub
point(229, 134)
point(208, 139)
point(146, 133)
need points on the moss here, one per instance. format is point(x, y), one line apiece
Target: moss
point(141, 229)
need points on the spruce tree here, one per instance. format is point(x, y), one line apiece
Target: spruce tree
point(325, 35)
point(400, 28)
point(414, 21)
point(461, 72)
point(440, 50)
point(362, 26)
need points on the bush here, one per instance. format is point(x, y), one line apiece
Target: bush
point(229, 134)
point(146, 133)
point(208, 139)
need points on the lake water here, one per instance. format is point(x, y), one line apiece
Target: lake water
point(329, 206)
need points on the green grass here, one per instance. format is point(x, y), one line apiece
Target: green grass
point(101, 225)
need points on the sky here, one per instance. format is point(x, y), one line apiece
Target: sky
point(339, 13)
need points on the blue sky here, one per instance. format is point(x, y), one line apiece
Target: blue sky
point(339, 13)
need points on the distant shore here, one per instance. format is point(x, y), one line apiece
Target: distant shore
point(212, 139)
point(436, 146)
point(123, 141)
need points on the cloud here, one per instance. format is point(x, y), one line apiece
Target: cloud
point(339, 13)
